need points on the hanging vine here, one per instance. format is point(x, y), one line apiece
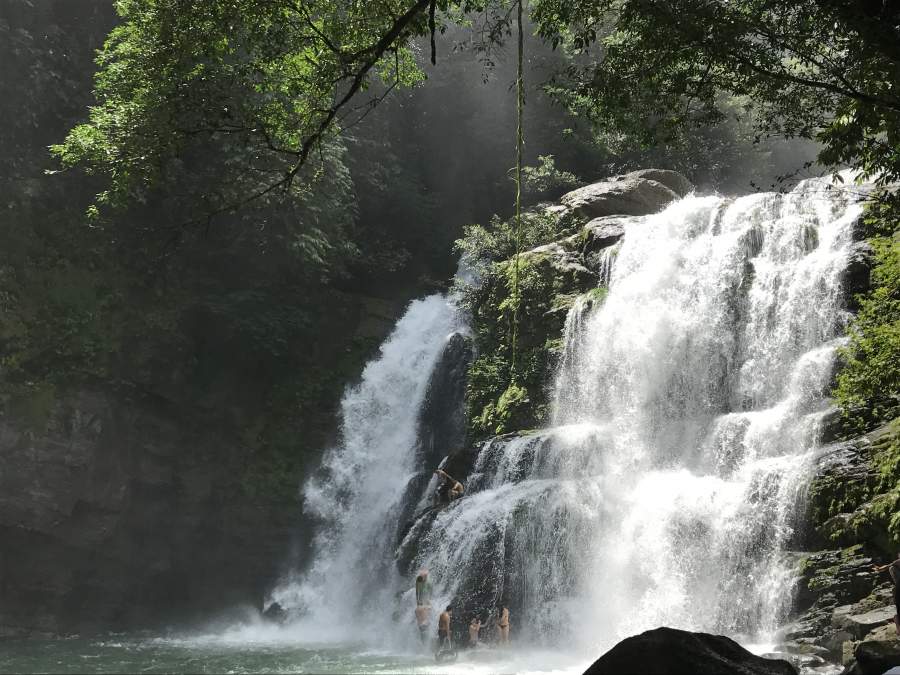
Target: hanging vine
point(520, 142)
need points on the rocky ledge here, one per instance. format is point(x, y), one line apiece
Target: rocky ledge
point(844, 609)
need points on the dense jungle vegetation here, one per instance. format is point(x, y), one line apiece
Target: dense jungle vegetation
point(250, 178)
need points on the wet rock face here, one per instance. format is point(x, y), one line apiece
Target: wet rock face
point(442, 430)
point(667, 651)
point(845, 601)
point(442, 424)
point(633, 194)
point(117, 513)
point(853, 494)
point(857, 275)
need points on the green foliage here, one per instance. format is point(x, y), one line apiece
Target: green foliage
point(495, 403)
point(868, 386)
point(813, 69)
point(546, 181)
point(498, 241)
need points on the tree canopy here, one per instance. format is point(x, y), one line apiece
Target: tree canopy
point(824, 69)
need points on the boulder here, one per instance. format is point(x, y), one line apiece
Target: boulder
point(603, 232)
point(861, 624)
point(668, 651)
point(673, 180)
point(632, 194)
point(874, 657)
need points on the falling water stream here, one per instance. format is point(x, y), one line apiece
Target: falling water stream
point(686, 412)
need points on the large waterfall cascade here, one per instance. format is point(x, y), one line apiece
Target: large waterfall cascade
point(687, 409)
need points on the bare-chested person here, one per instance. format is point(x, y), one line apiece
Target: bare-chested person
point(451, 487)
point(474, 627)
point(502, 623)
point(423, 618)
point(444, 628)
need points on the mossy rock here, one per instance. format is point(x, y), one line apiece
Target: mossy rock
point(855, 496)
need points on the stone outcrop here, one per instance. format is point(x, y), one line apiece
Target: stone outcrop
point(441, 431)
point(856, 492)
point(852, 501)
point(667, 651)
point(634, 194)
point(876, 654)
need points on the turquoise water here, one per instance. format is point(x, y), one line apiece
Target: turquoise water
point(124, 654)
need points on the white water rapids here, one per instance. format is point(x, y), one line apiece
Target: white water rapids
point(687, 408)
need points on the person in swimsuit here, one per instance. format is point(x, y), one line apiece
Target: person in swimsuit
point(423, 618)
point(503, 625)
point(444, 629)
point(474, 627)
point(894, 569)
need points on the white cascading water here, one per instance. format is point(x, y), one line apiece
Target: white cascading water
point(362, 481)
point(687, 408)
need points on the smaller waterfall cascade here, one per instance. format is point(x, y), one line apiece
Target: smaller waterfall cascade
point(358, 493)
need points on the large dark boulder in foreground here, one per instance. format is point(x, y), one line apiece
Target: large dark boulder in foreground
point(668, 651)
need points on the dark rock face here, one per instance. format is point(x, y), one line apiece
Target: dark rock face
point(667, 651)
point(853, 492)
point(119, 513)
point(857, 275)
point(442, 427)
point(442, 423)
point(633, 194)
point(603, 232)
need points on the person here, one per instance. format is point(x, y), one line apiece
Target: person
point(444, 629)
point(474, 627)
point(423, 588)
point(450, 489)
point(894, 569)
point(502, 623)
point(423, 618)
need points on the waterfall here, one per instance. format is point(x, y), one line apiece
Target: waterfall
point(686, 412)
point(358, 493)
point(687, 409)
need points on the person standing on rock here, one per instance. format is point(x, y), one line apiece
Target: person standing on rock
point(503, 626)
point(444, 629)
point(474, 627)
point(894, 569)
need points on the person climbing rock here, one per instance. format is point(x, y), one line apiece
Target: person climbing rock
point(449, 489)
point(444, 642)
point(502, 623)
point(423, 618)
point(894, 569)
point(474, 628)
point(423, 589)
